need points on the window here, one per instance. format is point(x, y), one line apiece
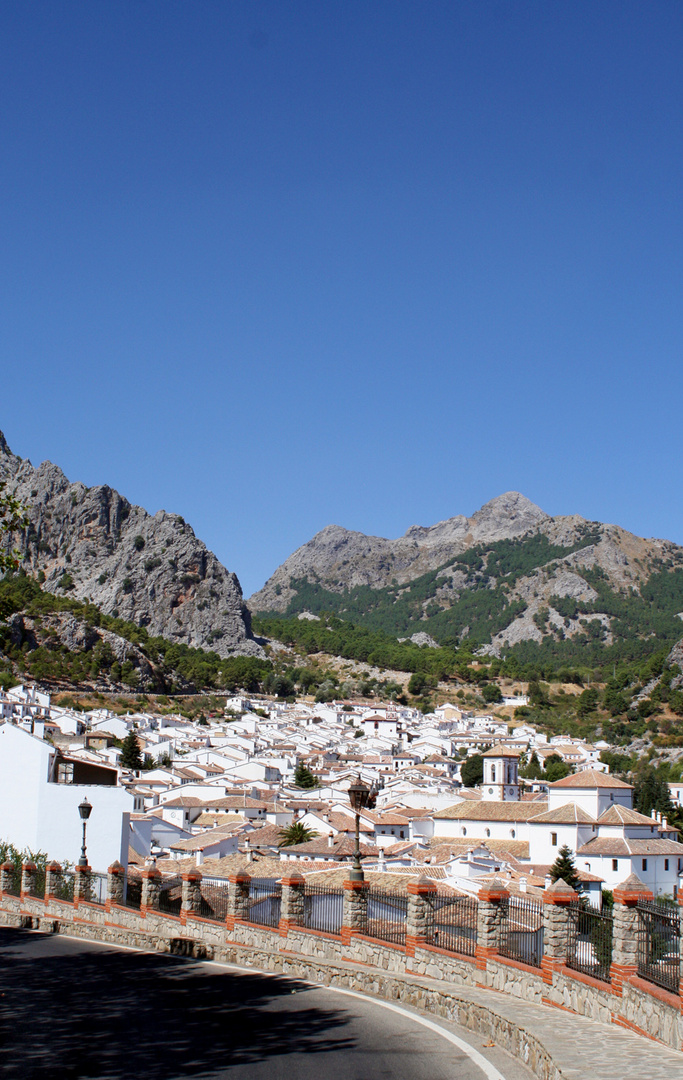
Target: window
point(464, 832)
point(666, 864)
point(512, 833)
point(615, 864)
point(488, 832)
point(553, 839)
point(644, 864)
point(493, 774)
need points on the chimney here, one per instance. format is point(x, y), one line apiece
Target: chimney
point(659, 817)
point(382, 863)
point(665, 823)
point(522, 884)
point(330, 840)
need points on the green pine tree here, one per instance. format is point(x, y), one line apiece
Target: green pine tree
point(304, 778)
point(130, 758)
point(564, 868)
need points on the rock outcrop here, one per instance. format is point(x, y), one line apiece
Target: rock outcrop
point(91, 543)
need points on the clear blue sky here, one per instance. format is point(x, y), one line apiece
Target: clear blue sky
point(273, 265)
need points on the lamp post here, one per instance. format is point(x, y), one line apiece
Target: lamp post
point(360, 796)
point(84, 809)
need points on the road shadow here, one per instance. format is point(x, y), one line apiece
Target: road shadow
point(134, 1015)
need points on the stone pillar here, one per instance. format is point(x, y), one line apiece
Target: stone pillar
point(191, 893)
point(490, 904)
point(556, 901)
point(680, 976)
point(355, 917)
point(116, 879)
point(293, 902)
point(82, 882)
point(420, 924)
point(625, 930)
point(151, 888)
point(53, 878)
point(28, 878)
point(6, 877)
point(238, 898)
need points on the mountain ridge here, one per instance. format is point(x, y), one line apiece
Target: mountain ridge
point(92, 543)
point(522, 575)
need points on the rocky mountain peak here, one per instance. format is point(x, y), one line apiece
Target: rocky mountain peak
point(92, 543)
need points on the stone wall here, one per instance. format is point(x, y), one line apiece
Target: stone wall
point(418, 973)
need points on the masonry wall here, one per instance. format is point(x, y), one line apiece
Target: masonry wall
point(416, 973)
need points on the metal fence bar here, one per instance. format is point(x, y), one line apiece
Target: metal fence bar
point(387, 916)
point(323, 908)
point(455, 923)
point(589, 941)
point(97, 889)
point(66, 889)
point(214, 900)
point(171, 895)
point(133, 891)
point(659, 943)
point(38, 889)
point(15, 882)
point(265, 901)
point(521, 931)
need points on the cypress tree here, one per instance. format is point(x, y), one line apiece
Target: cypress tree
point(564, 868)
point(130, 758)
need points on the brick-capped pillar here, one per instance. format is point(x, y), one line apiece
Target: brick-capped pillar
point(238, 898)
point(53, 878)
point(420, 922)
point(151, 889)
point(355, 917)
point(82, 875)
point(116, 879)
point(556, 901)
point(191, 893)
point(490, 903)
point(293, 902)
point(28, 878)
point(6, 877)
point(680, 976)
point(625, 929)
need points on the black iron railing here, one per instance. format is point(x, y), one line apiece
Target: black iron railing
point(659, 943)
point(38, 889)
point(14, 883)
point(323, 908)
point(214, 901)
point(265, 901)
point(96, 892)
point(387, 914)
point(521, 930)
point(66, 886)
point(589, 941)
point(455, 923)
point(171, 895)
point(132, 893)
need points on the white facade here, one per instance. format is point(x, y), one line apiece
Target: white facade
point(43, 816)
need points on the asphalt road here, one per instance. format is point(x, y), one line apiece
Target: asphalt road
point(75, 1010)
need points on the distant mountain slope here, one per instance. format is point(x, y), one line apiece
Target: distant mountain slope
point(509, 576)
point(153, 571)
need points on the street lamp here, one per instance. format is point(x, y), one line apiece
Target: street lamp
point(360, 797)
point(84, 809)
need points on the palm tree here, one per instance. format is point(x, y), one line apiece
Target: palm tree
point(296, 834)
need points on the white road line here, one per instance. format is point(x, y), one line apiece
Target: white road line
point(489, 1070)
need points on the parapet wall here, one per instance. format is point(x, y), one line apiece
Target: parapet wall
point(417, 973)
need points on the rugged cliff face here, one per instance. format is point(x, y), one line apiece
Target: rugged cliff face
point(92, 543)
point(507, 575)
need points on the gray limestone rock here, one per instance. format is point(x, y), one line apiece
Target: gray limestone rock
point(91, 543)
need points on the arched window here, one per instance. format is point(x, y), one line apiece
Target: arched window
point(464, 831)
point(493, 774)
point(512, 833)
point(488, 832)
